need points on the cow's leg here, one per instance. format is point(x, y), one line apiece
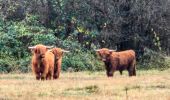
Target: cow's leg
point(109, 73)
point(47, 76)
point(52, 72)
point(109, 69)
point(37, 76)
point(130, 71)
point(134, 70)
point(36, 71)
point(57, 70)
point(50, 75)
point(120, 72)
point(43, 76)
point(44, 73)
point(56, 74)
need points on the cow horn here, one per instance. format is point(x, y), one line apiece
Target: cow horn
point(31, 47)
point(49, 47)
point(65, 51)
point(112, 50)
point(97, 50)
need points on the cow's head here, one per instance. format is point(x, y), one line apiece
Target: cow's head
point(39, 50)
point(104, 53)
point(58, 52)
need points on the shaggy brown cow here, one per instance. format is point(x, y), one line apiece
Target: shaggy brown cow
point(118, 61)
point(58, 53)
point(42, 61)
point(49, 65)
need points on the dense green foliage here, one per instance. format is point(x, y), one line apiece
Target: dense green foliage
point(15, 56)
point(82, 26)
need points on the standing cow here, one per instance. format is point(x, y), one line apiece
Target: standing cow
point(58, 53)
point(124, 60)
point(42, 62)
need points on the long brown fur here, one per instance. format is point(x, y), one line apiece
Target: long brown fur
point(58, 53)
point(49, 65)
point(124, 60)
point(38, 60)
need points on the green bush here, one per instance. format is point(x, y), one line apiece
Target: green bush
point(11, 64)
point(79, 58)
point(153, 60)
point(17, 36)
point(46, 39)
point(81, 61)
point(14, 42)
point(24, 64)
point(7, 64)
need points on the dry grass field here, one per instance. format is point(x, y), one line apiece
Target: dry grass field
point(148, 85)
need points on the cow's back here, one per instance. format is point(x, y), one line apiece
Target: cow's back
point(123, 58)
point(126, 54)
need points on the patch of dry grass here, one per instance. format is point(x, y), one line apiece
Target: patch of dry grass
point(147, 85)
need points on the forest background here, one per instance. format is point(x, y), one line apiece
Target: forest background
point(81, 26)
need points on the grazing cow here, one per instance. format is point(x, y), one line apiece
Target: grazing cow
point(41, 61)
point(124, 60)
point(58, 53)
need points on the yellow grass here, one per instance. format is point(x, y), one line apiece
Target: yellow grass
point(148, 85)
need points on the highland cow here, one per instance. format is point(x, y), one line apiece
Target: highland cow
point(41, 61)
point(124, 60)
point(58, 53)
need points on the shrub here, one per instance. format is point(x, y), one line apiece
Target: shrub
point(82, 61)
point(79, 59)
point(15, 56)
point(46, 39)
point(7, 64)
point(153, 60)
point(14, 42)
